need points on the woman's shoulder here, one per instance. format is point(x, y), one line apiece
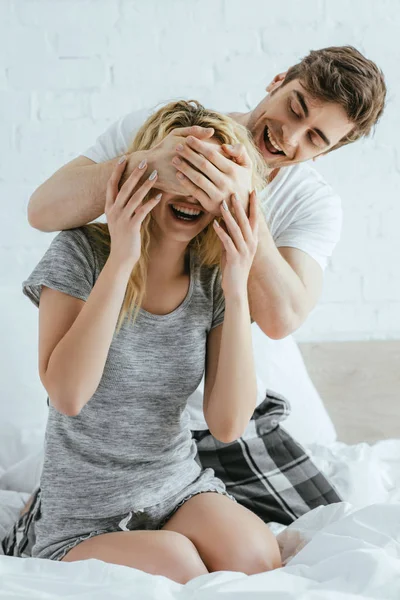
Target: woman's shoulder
point(94, 238)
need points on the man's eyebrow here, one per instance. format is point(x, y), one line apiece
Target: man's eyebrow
point(304, 106)
point(323, 136)
point(300, 98)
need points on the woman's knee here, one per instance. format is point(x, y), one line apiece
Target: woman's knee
point(258, 553)
point(186, 563)
point(156, 552)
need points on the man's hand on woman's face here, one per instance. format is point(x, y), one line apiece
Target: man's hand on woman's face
point(212, 173)
point(160, 157)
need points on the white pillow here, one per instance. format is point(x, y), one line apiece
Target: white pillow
point(11, 504)
point(21, 457)
point(280, 367)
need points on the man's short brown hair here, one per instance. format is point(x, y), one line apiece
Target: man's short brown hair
point(341, 74)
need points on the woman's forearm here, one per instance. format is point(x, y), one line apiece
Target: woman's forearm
point(76, 364)
point(234, 394)
point(75, 194)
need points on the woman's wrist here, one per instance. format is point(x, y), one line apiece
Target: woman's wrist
point(120, 267)
point(237, 298)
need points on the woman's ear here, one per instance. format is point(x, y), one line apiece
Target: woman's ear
point(276, 82)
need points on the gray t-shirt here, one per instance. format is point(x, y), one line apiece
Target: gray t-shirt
point(131, 445)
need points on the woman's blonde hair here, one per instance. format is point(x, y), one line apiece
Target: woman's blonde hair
point(206, 244)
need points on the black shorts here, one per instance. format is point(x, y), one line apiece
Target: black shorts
point(265, 470)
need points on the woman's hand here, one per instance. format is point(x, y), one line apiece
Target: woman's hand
point(125, 212)
point(239, 244)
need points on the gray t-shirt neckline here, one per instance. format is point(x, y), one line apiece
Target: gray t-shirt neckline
point(187, 299)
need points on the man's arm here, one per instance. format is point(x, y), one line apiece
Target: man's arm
point(76, 193)
point(73, 196)
point(284, 286)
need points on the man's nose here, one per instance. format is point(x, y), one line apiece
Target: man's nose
point(291, 136)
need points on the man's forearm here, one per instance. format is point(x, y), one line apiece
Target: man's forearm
point(277, 296)
point(73, 196)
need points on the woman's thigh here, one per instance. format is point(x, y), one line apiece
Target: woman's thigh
point(165, 553)
point(228, 536)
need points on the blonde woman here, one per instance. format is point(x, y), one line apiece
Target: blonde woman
point(131, 313)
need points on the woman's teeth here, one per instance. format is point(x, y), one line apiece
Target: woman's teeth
point(187, 211)
point(186, 214)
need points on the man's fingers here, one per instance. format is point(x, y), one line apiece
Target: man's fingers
point(192, 190)
point(195, 130)
point(210, 152)
point(239, 153)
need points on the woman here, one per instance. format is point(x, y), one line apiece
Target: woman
point(130, 315)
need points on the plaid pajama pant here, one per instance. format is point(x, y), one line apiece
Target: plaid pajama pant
point(265, 470)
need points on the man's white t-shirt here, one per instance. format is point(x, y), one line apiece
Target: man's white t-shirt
point(300, 208)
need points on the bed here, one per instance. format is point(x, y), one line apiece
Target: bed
point(346, 550)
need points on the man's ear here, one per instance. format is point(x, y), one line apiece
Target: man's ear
point(276, 82)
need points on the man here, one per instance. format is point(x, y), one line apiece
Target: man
point(333, 97)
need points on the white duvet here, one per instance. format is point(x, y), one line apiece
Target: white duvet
point(343, 551)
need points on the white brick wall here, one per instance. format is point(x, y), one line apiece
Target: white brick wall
point(68, 68)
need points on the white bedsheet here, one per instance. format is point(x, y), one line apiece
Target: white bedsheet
point(343, 551)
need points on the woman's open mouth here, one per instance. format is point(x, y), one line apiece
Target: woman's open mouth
point(186, 215)
point(271, 144)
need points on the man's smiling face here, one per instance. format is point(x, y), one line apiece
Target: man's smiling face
point(289, 126)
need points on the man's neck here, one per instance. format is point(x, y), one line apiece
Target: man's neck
point(241, 118)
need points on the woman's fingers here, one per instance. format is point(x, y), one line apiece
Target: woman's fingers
point(143, 210)
point(243, 233)
point(233, 228)
point(253, 214)
point(130, 184)
point(225, 239)
point(140, 194)
point(112, 184)
point(242, 218)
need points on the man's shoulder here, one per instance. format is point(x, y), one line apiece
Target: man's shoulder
point(134, 119)
point(306, 175)
point(300, 183)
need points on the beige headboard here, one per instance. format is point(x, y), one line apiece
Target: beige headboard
point(360, 385)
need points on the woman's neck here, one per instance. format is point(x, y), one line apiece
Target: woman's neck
point(166, 258)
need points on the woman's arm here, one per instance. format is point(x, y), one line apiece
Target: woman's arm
point(230, 390)
point(230, 384)
point(75, 338)
point(72, 356)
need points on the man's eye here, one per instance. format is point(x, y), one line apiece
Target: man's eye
point(294, 112)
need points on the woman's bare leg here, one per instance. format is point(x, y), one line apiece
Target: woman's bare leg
point(157, 552)
point(228, 536)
